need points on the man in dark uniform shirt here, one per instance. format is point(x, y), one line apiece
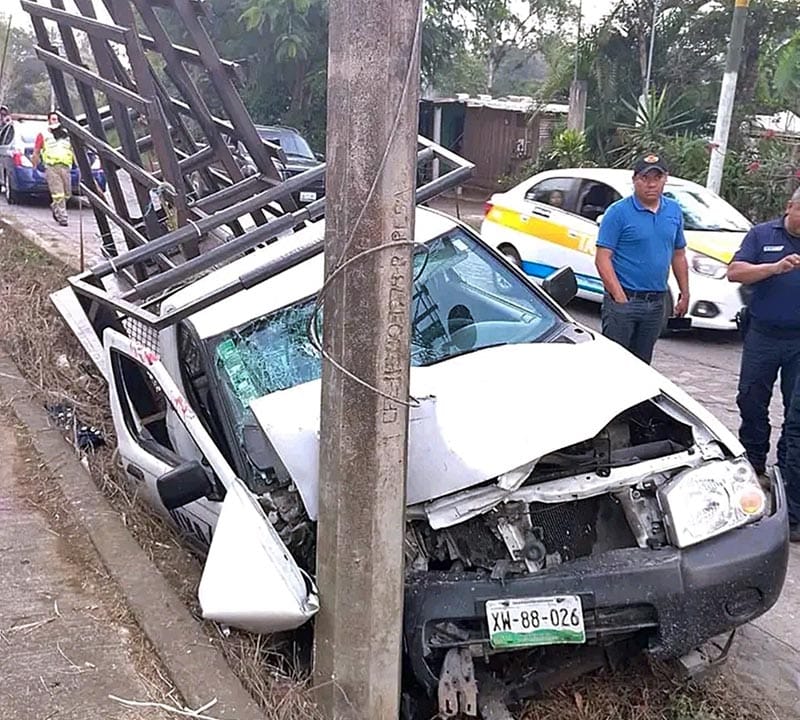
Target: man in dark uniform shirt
point(768, 262)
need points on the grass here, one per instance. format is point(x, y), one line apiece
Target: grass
point(52, 360)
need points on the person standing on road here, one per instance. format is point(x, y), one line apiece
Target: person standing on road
point(55, 151)
point(768, 261)
point(640, 238)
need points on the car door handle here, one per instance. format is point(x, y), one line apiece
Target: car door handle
point(542, 213)
point(135, 472)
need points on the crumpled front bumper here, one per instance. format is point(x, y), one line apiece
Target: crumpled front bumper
point(680, 598)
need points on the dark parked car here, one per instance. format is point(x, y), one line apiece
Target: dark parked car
point(299, 158)
point(18, 175)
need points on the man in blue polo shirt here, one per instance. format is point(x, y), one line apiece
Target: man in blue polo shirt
point(768, 261)
point(640, 238)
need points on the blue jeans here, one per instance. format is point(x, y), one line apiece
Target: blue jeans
point(763, 357)
point(635, 324)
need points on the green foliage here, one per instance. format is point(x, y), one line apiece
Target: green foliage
point(491, 30)
point(568, 149)
point(688, 156)
point(689, 52)
point(651, 124)
point(24, 86)
point(283, 46)
point(759, 179)
point(786, 77)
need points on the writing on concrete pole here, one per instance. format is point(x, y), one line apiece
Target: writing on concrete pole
point(373, 97)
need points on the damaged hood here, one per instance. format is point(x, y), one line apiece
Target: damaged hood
point(480, 414)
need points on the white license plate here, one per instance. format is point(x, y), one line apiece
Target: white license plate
point(308, 196)
point(535, 621)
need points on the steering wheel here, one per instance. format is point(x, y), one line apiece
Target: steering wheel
point(492, 332)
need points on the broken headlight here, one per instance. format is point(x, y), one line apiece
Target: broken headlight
point(710, 500)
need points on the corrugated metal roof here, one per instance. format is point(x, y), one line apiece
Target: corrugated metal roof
point(513, 103)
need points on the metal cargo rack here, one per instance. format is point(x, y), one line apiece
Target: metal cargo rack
point(186, 166)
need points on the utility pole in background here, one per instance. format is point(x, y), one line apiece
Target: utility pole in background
point(576, 117)
point(373, 100)
point(726, 96)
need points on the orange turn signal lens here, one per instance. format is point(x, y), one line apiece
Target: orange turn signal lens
point(752, 501)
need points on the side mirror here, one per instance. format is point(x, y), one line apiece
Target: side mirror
point(186, 483)
point(319, 157)
point(561, 285)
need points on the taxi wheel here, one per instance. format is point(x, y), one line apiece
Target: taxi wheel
point(669, 308)
point(511, 253)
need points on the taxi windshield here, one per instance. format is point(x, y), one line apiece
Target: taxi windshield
point(463, 299)
point(702, 210)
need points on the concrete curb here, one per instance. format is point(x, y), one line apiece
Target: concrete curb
point(198, 669)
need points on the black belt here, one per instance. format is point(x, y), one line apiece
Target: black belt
point(645, 294)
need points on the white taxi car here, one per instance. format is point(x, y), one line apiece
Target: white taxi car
point(551, 220)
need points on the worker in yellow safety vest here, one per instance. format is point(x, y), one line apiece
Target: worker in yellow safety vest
point(54, 150)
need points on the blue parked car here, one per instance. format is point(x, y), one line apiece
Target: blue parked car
point(19, 178)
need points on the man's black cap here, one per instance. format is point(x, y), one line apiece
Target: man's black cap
point(651, 161)
point(4, 108)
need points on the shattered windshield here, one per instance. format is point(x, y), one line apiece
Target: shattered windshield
point(463, 299)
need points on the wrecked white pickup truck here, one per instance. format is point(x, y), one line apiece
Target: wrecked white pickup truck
point(564, 499)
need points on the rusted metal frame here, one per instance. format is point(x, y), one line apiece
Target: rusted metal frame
point(122, 122)
point(161, 283)
point(189, 55)
point(179, 127)
point(223, 217)
point(116, 158)
point(231, 100)
point(227, 128)
point(157, 124)
point(111, 89)
point(62, 95)
point(76, 22)
point(226, 215)
point(199, 112)
point(197, 160)
point(92, 116)
point(233, 193)
point(186, 86)
point(223, 253)
point(127, 229)
point(99, 295)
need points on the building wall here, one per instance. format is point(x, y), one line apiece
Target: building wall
point(497, 141)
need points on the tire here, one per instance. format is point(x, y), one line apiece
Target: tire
point(12, 196)
point(510, 252)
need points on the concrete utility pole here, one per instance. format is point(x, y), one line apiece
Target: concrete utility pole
point(576, 117)
point(726, 96)
point(373, 99)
